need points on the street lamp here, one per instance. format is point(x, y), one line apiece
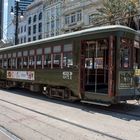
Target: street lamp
point(16, 16)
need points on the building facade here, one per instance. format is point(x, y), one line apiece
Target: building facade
point(78, 14)
point(31, 27)
point(52, 18)
point(42, 19)
point(1, 18)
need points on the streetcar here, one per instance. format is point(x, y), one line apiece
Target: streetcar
point(100, 65)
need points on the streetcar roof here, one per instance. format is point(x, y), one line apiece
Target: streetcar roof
point(73, 34)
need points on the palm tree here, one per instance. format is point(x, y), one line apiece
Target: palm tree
point(117, 12)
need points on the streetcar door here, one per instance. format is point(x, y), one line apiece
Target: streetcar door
point(96, 66)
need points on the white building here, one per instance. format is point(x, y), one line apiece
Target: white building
point(52, 18)
point(78, 14)
point(31, 27)
point(42, 19)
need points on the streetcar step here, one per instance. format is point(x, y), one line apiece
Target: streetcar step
point(96, 103)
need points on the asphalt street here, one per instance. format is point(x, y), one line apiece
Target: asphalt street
point(31, 116)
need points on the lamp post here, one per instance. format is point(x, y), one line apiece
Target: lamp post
point(16, 18)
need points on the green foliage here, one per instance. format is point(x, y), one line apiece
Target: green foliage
point(115, 12)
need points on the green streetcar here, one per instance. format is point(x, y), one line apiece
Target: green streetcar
point(98, 65)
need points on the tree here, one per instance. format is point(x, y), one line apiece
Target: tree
point(117, 12)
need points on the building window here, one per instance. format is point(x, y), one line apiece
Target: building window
point(34, 38)
point(29, 39)
point(29, 30)
point(58, 10)
point(29, 20)
point(40, 16)
point(79, 16)
point(57, 24)
point(73, 18)
point(24, 39)
point(48, 15)
point(52, 25)
point(34, 19)
point(91, 19)
point(34, 29)
point(21, 29)
point(67, 19)
point(40, 37)
point(52, 13)
point(40, 27)
point(21, 40)
point(25, 28)
point(48, 26)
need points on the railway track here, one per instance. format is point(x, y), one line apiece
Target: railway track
point(9, 134)
point(124, 109)
point(63, 120)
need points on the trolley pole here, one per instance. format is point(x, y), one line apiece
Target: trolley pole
point(16, 14)
point(16, 28)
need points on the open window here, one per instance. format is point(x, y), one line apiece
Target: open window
point(25, 59)
point(39, 58)
point(47, 57)
point(31, 59)
point(67, 56)
point(57, 57)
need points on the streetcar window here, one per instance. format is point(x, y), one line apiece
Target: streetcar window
point(39, 61)
point(13, 62)
point(25, 59)
point(5, 61)
point(125, 53)
point(31, 59)
point(47, 57)
point(48, 50)
point(57, 56)
point(19, 60)
point(67, 59)
point(67, 56)
point(0, 61)
point(136, 63)
point(57, 60)
point(67, 47)
point(56, 49)
point(39, 58)
point(39, 51)
point(25, 62)
point(47, 60)
point(9, 60)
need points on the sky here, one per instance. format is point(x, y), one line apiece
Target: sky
point(5, 19)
